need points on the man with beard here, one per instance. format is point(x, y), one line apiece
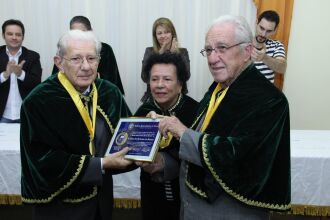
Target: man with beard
point(268, 54)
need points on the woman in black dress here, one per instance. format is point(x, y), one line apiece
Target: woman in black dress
point(167, 76)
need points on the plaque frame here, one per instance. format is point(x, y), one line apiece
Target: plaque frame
point(141, 135)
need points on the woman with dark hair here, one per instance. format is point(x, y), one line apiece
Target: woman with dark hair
point(164, 40)
point(167, 76)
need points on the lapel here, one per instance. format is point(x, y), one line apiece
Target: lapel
point(23, 56)
point(3, 58)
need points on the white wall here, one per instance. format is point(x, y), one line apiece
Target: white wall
point(307, 79)
point(126, 25)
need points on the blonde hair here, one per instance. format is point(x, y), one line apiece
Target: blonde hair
point(168, 25)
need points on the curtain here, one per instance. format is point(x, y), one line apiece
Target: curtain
point(284, 9)
point(126, 25)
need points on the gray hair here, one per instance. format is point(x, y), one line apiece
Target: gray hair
point(62, 44)
point(243, 31)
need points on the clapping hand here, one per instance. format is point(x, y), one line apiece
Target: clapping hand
point(258, 53)
point(174, 45)
point(12, 67)
point(171, 46)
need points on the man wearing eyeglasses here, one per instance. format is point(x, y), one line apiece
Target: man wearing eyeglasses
point(267, 54)
point(235, 159)
point(66, 125)
point(107, 68)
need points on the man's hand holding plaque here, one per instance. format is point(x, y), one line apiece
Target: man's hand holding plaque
point(169, 125)
point(116, 160)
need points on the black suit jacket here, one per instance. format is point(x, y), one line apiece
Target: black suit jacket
point(32, 68)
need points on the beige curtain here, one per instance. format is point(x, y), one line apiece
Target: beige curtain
point(126, 25)
point(284, 9)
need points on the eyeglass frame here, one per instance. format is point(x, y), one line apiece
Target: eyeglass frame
point(218, 49)
point(82, 59)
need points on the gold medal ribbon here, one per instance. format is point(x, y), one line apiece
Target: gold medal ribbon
point(90, 124)
point(165, 142)
point(214, 104)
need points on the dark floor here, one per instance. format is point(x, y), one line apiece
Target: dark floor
point(24, 213)
point(8, 212)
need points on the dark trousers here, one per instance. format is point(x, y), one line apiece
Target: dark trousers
point(66, 211)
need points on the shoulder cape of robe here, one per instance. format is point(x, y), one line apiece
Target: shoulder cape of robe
point(55, 141)
point(246, 147)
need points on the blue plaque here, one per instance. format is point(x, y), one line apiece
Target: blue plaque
point(141, 135)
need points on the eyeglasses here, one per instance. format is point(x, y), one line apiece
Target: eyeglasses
point(218, 49)
point(78, 60)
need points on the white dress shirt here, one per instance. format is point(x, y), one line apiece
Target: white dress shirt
point(14, 101)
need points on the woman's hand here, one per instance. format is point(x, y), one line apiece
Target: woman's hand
point(174, 45)
point(156, 166)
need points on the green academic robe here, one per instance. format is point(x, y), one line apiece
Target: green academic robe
point(245, 150)
point(55, 141)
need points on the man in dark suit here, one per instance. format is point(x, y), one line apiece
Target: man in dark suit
point(108, 68)
point(20, 70)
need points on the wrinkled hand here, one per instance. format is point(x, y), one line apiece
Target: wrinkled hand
point(173, 125)
point(12, 67)
point(154, 115)
point(168, 124)
point(116, 160)
point(156, 166)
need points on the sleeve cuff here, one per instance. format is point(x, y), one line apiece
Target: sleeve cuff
point(2, 78)
point(22, 76)
point(189, 146)
point(93, 174)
